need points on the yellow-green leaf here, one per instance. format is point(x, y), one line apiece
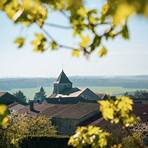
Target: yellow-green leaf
point(85, 41)
point(3, 109)
point(54, 45)
point(20, 42)
point(39, 43)
point(75, 53)
point(102, 52)
point(82, 11)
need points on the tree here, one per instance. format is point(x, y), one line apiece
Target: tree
point(21, 98)
point(142, 94)
point(22, 126)
point(40, 96)
point(113, 16)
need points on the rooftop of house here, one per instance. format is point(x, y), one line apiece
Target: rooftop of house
point(7, 98)
point(70, 94)
point(141, 110)
point(77, 111)
point(66, 93)
point(77, 93)
point(68, 111)
point(15, 106)
point(2, 93)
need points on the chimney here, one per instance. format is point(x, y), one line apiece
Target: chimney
point(31, 105)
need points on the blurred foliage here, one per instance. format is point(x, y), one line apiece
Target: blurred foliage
point(75, 53)
point(4, 120)
point(129, 142)
point(54, 45)
point(89, 136)
point(22, 126)
point(39, 43)
point(118, 113)
point(113, 16)
point(102, 52)
point(20, 42)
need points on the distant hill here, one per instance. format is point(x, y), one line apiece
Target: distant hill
point(86, 81)
point(14, 83)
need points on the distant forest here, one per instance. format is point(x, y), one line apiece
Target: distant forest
point(94, 81)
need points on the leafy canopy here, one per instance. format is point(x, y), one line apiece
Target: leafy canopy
point(118, 111)
point(113, 16)
point(22, 125)
point(91, 135)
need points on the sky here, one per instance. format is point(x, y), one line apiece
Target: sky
point(124, 57)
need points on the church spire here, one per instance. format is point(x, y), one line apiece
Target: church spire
point(63, 78)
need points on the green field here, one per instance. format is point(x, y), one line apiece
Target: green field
point(29, 92)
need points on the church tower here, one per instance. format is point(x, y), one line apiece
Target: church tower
point(62, 84)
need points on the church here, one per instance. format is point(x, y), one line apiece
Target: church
point(64, 92)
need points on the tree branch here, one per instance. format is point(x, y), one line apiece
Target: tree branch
point(57, 26)
point(65, 46)
point(59, 45)
point(105, 23)
point(64, 14)
point(48, 34)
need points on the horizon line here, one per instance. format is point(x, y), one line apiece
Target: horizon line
point(45, 77)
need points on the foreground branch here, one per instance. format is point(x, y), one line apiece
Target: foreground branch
point(58, 26)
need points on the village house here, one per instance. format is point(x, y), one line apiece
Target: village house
point(7, 98)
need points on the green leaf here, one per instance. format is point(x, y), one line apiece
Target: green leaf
point(125, 33)
point(76, 53)
point(96, 42)
point(20, 41)
point(102, 52)
point(39, 43)
point(54, 45)
point(85, 40)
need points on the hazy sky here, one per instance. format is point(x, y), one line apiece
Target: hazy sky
point(124, 57)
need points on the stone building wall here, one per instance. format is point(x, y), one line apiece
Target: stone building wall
point(60, 87)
